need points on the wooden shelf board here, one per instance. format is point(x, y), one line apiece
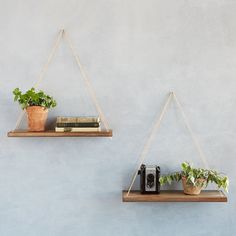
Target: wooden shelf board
point(175, 196)
point(52, 133)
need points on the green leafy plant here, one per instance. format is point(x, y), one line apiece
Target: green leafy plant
point(194, 177)
point(33, 98)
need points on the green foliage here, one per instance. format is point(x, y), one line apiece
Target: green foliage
point(194, 175)
point(33, 98)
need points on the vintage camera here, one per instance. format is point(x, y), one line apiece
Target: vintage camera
point(149, 179)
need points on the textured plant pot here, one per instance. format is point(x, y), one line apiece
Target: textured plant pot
point(193, 190)
point(37, 117)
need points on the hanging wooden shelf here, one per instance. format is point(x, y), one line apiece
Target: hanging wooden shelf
point(171, 195)
point(175, 196)
point(52, 133)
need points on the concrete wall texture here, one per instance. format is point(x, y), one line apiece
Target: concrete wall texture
point(135, 52)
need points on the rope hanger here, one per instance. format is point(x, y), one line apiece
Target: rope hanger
point(172, 96)
point(63, 34)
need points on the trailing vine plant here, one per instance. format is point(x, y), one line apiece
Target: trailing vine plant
point(194, 177)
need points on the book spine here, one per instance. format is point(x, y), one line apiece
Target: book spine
point(67, 129)
point(87, 124)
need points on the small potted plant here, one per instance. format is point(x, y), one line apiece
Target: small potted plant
point(195, 179)
point(36, 105)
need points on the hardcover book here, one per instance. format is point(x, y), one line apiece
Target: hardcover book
point(87, 124)
point(81, 119)
point(76, 129)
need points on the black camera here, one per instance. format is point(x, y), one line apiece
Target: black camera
point(149, 179)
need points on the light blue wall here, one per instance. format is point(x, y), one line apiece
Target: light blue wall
point(135, 53)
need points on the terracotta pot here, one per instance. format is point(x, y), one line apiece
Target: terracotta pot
point(193, 190)
point(37, 117)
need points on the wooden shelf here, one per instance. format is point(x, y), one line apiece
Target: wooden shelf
point(175, 196)
point(52, 133)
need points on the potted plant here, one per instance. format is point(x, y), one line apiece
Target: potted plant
point(195, 179)
point(36, 105)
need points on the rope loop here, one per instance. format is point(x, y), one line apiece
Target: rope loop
point(172, 96)
point(63, 34)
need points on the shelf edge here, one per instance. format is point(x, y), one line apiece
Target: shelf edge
point(23, 133)
point(159, 198)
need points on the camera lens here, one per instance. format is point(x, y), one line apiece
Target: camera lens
point(150, 180)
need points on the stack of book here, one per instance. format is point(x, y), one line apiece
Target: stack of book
point(77, 124)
